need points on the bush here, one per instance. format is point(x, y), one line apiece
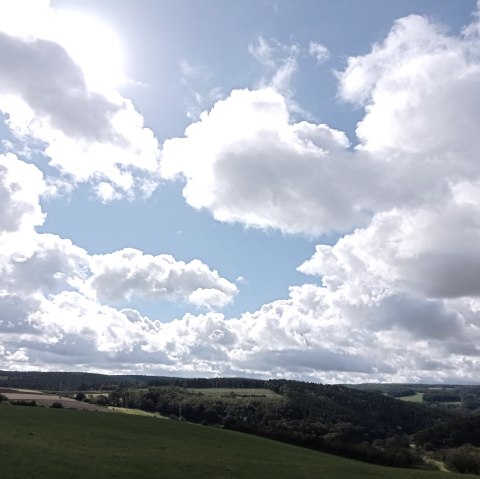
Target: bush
point(465, 459)
point(229, 422)
point(211, 416)
point(57, 405)
point(24, 403)
point(101, 400)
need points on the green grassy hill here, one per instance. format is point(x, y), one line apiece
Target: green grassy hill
point(44, 443)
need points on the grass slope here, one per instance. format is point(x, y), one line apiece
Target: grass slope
point(135, 412)
point(44, 443)
point(417, 398)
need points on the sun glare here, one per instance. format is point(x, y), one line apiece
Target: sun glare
point(94, 46)
point(89, 40)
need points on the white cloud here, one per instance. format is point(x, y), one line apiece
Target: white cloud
point(17, 356)
point(41, 263)
point(318, 51)
point(431, 252)
point(89, 132)
point(417, 87)
point(263, 51)
point(128, 272)
point(21, 185)
point(246, 162)
point(279, 59)
point(316, 334)
point(189, 70)
point(59, 94)
point(199, 87)
point(103, 328)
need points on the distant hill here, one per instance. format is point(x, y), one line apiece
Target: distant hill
point(81, 381)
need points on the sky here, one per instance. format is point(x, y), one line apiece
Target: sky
point(264, 188)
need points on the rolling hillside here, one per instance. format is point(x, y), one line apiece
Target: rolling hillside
point(43, 443)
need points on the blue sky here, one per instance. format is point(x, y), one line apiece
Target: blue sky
point(258, 188)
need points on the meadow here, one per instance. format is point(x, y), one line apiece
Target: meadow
point(417, 398)
point(237, 392)
point(45, 399)
point(42, 443)
point(135, 412)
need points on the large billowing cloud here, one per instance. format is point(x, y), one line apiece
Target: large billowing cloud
point(124, 273)
point(433, 252)
point(418, 88)
point(247, 163)
point(89, 134)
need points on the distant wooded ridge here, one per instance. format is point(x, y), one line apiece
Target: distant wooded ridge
point(84, 381)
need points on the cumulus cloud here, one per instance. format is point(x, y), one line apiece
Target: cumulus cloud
point(417, 140)
point(246, 162)
point(89, 135)
point(21, 185)
point(46, 264)
point(417, 88)
point(127, 272)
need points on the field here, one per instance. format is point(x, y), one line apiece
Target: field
point(418, 398)
point(253, 393)
point(42, 443)
point(46, 400)
point(135, 412)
